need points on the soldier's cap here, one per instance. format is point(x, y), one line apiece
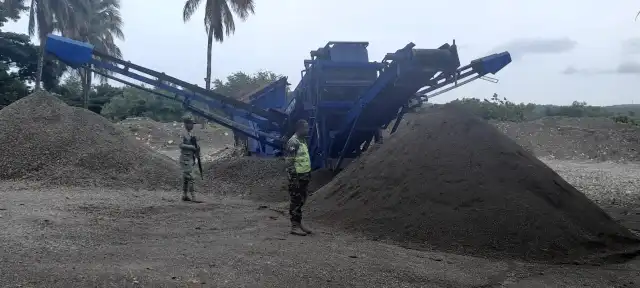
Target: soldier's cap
point(187, 118)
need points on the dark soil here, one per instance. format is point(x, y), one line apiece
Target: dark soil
point(451, 181)
point(260, 179)
point(46, 140)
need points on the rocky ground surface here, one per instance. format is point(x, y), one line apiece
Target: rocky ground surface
point(599, 139)
point(111, 238)
point(165, 136)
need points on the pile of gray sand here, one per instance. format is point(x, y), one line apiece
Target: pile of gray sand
point(450, 181)
point(46, 140)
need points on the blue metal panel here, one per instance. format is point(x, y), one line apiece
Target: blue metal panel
point(271, 96)
point(71, 52)
point(492, 63)
point(349, 52)
point(383, 80)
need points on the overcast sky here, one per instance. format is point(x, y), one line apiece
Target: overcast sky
point(565, 50)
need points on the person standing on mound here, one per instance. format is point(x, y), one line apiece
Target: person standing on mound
point(298, 168)
point(188, 151)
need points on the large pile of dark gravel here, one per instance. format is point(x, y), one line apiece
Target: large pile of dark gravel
point(450, 181)
point(260, 179)
point(46, 140)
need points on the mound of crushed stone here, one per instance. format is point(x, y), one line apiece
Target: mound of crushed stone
point(598, 139)
point(46, 140)
point(258, 179)
point(451, 181)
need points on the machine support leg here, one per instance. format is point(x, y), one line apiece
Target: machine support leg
point(365, 146)
point(400, 115)
point(378, 136)
point(346, 143)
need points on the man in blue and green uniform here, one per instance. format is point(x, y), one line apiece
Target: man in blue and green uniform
point(299, 170)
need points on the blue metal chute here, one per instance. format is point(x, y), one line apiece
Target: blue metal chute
point(77, 54)
point(478, 69)
point(71, 52)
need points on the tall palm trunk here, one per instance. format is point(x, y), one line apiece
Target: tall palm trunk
point(208, 78)
point(209, 48)
point(86, 87)
point(40, 64)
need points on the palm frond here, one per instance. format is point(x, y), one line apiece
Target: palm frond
point(243, 8)
point(190, 7)
point(219, 15)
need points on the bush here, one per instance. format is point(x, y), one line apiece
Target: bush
point(505, 110)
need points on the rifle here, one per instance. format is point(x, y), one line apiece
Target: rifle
point(196, 155)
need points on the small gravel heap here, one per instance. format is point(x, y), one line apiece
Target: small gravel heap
point(260, 179)
point(451, 181)
point(46, 140)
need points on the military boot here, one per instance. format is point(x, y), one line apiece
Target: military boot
point(296, 230)
point(185, 189)
point(305, 229)
point(192, 190)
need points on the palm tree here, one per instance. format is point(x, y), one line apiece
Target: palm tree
point(218, 21)
point(102, 26)
point(11, 13)
point(48, 16)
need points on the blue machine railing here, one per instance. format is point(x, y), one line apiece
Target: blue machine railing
point(346, 99)
point(78, 54)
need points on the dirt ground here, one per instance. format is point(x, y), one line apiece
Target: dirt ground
point(75, 237)
point(107, 238)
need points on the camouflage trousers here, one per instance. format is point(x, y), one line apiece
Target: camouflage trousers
point(188, 178)
point(298, 192)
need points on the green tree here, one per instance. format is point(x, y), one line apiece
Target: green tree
point(11, 12)
point(218, 21)
point(102, 26)
point(12, 54)
point(48, 16)
point(239, 85)
point(497, 109)
point(71, 92)
point(18, 62)
point(138, 103)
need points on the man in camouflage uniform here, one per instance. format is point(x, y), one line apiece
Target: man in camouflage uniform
point(299, 171)
point(187, 158)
